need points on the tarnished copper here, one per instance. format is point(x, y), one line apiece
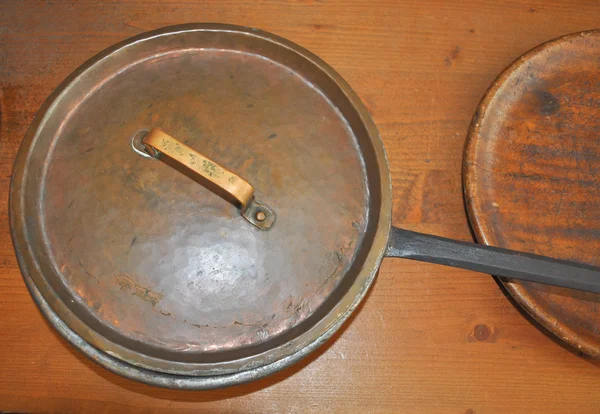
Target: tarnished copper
point(158, 272)
point(531, 175)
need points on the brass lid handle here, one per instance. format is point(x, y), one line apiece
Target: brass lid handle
point(158, 144)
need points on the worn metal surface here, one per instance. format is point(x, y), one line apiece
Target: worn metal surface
point(149, 267)
point(493, 260)
point(531, 175)
point(159, 379)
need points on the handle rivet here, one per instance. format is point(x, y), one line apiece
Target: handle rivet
point(260, 216)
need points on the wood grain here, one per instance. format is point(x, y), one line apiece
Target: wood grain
point(427, 339)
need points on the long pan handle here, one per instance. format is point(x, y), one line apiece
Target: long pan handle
point(493, 260)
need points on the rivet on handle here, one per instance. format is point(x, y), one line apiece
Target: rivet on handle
point(158, 144)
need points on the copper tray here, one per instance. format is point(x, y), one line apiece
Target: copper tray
point(531, 175)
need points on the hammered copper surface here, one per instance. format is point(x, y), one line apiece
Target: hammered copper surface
point(532, 180)
point(155, 262)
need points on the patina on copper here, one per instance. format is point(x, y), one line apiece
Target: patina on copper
point(162, 274)
point(531, 175)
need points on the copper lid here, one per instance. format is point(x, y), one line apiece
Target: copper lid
point(150, 265)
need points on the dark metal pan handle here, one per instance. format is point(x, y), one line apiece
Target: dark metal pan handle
point(493, 260)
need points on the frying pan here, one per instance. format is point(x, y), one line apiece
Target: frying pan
point(137, 226)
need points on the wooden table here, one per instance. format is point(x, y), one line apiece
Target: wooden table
point(428, 338)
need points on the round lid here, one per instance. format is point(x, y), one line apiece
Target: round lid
point(151, 263)
point(531, 175)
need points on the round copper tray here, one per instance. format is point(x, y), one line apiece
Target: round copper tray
point(531, 175)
